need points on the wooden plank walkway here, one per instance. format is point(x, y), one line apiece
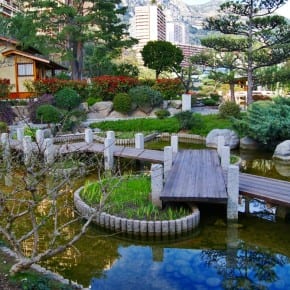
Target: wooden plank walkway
point(154, 156)
point(271, 190)
point(196, 175)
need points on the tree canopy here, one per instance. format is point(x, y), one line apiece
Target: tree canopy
point(64, 27)
point(162, 56)
point(262, 38)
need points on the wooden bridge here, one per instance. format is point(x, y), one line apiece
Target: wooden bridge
point(196, 175)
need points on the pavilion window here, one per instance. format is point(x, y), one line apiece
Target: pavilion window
point(25, 69)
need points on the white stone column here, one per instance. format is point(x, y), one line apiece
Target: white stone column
point(27, 149)
point(186, 102)
point(5, 147)
point(39, 136)
point(168, 160)
point(49, 151)
point(109, 153)
point(174, 143)
point(88, 135)
point(139, 141)
point(233, 192)
point(220, 144)
point(225, 157)
point(156, 183)
point(20, 134)
point(111, 135)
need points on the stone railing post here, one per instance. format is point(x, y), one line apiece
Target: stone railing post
point(186, 102)
point(109, 153)
point(174, 143)
point(5, 147)
point(233, 192)
point(168, 159)
point(20, 134)
point(111, 135)
point(49, 151)
point(156, 183)
point(39, 136)
point(27, 149)
point(225, 157)
point(88, 135)
point(220, 144)
point(139, 141)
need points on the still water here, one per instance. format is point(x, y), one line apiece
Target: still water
point(254, 254)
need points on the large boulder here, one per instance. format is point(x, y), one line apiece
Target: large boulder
point(248, 143)
point(101, 109)
point(231, 138)
point(282, 151)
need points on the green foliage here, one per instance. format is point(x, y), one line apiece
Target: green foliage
point(268, 122)
point(72, 120)
point(209, 102)
point(3, 127)
point(169, 88)
point(67, 99)
point(91, 101)
point(29, 131)
point(48, 114)
point(139, 125)
point(145, 97)
point(163, 113)
point(187, 120)
point(229, 109)
point(122, 103)
point(128, 197)
point(162, 56)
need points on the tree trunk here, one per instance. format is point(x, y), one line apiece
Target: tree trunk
point(22, 265)
point(232, 92)
point(250, 56)
point(77, 61)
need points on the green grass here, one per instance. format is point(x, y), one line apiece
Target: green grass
point(139, 125)
point(129, 197)
point(170, 125)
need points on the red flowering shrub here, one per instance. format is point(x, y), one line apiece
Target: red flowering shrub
point(4, 88)
point(169, 88)
point(52, 85)
point(108, 86)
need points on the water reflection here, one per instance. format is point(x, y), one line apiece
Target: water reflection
point(243, 268)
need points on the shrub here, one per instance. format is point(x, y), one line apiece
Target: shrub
point(185, 120)
point(91, 101)
point(229, 109)
point(209, 102)
point(6, 113)
point(48, 114)
point(29, 131)
point(145, 97)
point(109, 86)
point(122, 103)
point(268, 122)
point(3, 127)
point(72, 120)
point(4, 88)
point(169, 88)
point(161, 114)
point(67, 99)
point(46, 99)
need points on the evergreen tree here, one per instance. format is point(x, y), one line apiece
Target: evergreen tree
point(66, 26)
point(263, 38)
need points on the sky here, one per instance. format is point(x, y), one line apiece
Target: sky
point(284, 11)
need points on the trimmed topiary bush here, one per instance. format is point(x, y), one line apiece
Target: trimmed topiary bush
point(145, 98)
point(122, 103)
point(48, 114)
point(229, 109)
point(46, 99)
point(67, 99)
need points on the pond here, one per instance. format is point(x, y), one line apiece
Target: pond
point(254, 254)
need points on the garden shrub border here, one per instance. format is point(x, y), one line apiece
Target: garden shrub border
point(140, 228)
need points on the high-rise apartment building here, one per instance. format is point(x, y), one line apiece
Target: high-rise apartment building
point(9, 7)
point(176, 32)
point(149, 24)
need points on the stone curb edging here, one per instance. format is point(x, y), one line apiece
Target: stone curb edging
point(139, 227)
